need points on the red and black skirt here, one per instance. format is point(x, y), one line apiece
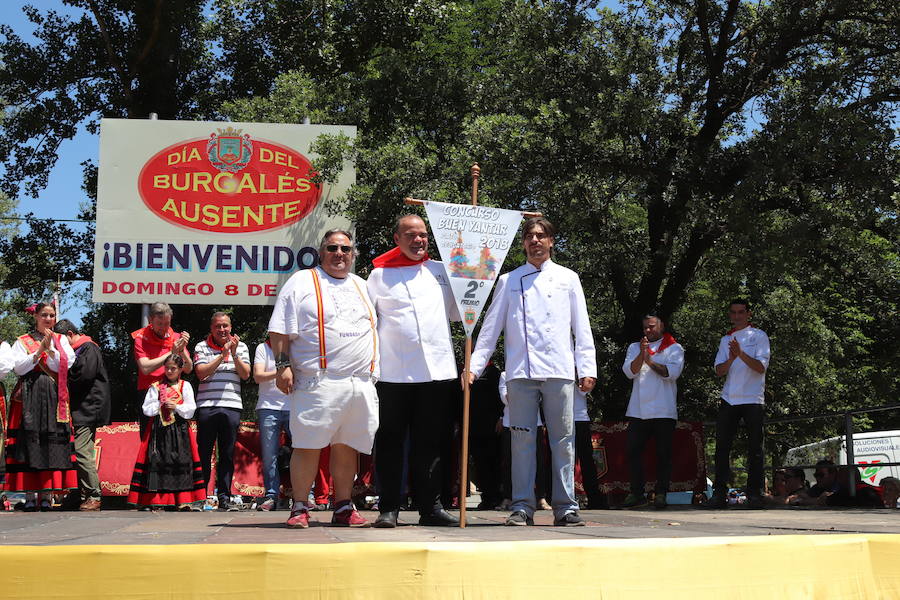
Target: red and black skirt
point(167, 470)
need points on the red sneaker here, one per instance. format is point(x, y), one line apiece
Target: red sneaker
point(348, 518)
point(299, 518)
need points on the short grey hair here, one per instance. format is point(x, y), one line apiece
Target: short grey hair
point(159, 309)
point(218, 314)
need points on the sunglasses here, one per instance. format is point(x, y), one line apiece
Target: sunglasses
point(334, 248)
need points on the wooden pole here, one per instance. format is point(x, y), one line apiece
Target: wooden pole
point(464, 451)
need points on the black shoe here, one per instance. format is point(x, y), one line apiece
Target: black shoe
point(570, 519)
point(518, 518)
point(387, 519)
point(439, 518)
point(718, 501)
point(634, 501)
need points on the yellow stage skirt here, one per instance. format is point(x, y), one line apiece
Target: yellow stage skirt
point(771, 567)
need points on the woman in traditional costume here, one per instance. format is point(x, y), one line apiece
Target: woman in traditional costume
point(40, 453)
point(167, 471)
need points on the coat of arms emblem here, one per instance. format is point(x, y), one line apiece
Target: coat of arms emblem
point(229, 150)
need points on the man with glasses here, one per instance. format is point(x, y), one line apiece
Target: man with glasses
point(742, 360)
point(541, 310)
point(323, 335)
point(418, 381)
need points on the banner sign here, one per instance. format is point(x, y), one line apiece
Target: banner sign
point(208, 212)
point(473, 242)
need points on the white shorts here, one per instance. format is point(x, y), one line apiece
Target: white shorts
point(334, 409)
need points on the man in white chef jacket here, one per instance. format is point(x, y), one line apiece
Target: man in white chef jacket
point(541, 309)
point(418, 378)
point(742, 359)
point(653, 364)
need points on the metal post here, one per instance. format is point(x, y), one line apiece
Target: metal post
point(145, 308)
point(851, 459)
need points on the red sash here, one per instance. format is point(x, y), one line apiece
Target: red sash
point(733, 329)
point(62, 384)
point(166, 415)
point(147, 332)
point(395, 258)
point(667, 340)
point(216, 347)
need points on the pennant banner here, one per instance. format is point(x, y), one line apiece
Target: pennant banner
point(473, 242)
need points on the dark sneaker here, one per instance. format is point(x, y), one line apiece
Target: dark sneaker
point(634, 501)
point(718, 501)
point(387, 520)
point(439, 518)
point(518, 519)
point(349, 518)
point(299, 518)
point(570, 519)
point(266, 505)
point(659, 502)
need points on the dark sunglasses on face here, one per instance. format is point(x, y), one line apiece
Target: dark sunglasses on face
point(334, 248)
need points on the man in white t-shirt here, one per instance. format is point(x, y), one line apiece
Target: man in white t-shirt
point(653, 364)
point(743, 359)
point(221, 363)
point(418, 380)
point(323, 335)
point(273, 417)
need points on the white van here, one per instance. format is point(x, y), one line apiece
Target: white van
point(869, 449)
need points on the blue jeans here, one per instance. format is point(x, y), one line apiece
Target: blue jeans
point(556, 396)
point(271, 424)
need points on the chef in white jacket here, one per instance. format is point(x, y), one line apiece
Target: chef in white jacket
point(541, 309)
point(418, 381)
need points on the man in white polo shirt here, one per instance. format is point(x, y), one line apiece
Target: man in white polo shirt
point(221, 362)
point(324, 319)
point(653, 364)
point(418, 372)
point(540, 307)
point(743, 359)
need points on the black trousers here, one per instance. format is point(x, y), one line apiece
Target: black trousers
point(640, 431)
point(584, 455)
point(217, 424)
point(727, 422)
point(421, 410)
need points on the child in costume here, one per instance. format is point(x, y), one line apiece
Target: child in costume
point(167, 472)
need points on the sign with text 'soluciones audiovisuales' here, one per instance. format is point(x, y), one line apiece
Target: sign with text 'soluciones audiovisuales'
point(473, 242)
point(208, 212)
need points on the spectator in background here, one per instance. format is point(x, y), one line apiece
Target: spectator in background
point(274, 418)
point(890, 491)
point(90, 400)
point(222, 362)
point(584, 453)
point(653, 364)
point(152, 346)
point(789, 483)
point(742, 359)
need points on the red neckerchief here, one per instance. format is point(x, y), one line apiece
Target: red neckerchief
point(62, 384)
point(216, 347)
point(166, 390)
point(733, 329)
point(81, 341)
point(395, 258)
point(667, 340)
point(144, 332)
